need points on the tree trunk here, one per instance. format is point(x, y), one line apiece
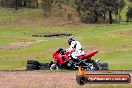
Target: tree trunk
point(37, 3)
point(110, 17)
point(96, 19)
point(29, 3)
point(2, 3)
point(127, 20)
point(24, 2)
point(16, 5)
point(104, 17)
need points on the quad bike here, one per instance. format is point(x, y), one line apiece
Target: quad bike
point(63, 60)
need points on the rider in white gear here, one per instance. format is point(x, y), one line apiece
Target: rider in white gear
point(76, 46)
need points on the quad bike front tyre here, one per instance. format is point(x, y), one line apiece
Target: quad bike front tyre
point(54, 67)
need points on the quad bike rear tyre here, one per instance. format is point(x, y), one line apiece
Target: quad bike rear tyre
point(103, 66)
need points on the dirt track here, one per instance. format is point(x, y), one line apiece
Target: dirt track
point(32, 79)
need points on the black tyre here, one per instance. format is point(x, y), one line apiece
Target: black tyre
point(104, 66)
point(32, 67)
point(96, 66)
point(100, 66)
point(54, 67)
point(33, 62)
point(44, 66)
point(81, 80)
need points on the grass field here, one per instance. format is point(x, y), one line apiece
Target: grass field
point(17, 44)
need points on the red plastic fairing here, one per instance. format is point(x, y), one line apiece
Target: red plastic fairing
point(65, 57)
point(58, 57)
point(89, 54)
point(69, 52)
point(54, 61)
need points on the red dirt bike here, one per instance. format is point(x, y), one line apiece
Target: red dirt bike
point(63, 60)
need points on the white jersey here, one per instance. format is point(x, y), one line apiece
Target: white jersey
point(77, 47)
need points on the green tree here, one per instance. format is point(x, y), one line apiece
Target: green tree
point(113, 6)
point(129, 14)
point(130, 0)
point(90, 9)
point(19, 3)
point(93, 9)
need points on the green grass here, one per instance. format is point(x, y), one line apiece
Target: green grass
point(114, 48)
point(113, 41)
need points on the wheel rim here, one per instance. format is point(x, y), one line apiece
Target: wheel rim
point(90, 67)
point(54, 67)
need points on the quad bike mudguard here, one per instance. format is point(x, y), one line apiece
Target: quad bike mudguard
point(88, 55)
point(61, 58)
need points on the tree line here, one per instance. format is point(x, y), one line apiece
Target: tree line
point(90, 11)
point(95, 10)
point(19, 3)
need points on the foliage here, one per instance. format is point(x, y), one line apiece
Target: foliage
point(90, 11)
point(130, 0)
point(19, 3)
point(93, 9)
point(47, 6)
point(129, 14)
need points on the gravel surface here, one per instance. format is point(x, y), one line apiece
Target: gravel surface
point(45, 79)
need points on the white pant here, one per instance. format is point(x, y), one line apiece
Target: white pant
point(77, 53)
